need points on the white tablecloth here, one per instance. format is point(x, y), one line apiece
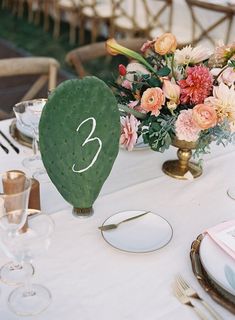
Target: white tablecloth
point(90, 279)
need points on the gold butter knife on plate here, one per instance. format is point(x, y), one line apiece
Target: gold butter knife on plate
point(115, 225)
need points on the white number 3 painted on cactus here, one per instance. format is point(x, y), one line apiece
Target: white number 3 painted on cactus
point(89, 139)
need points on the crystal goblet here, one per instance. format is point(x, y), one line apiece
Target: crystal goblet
point(14, 196)
point(30, 299)
point(28, 115)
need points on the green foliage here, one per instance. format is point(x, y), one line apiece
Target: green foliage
point(158, 131)
point(231, 63)
point(220, 134)
point(163, 72)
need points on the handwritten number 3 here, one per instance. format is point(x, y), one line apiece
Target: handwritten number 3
point(89, 139)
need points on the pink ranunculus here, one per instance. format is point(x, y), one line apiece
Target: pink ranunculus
point(185, 127)
point(227, 76)
point(127, 84)
point(147, 45)
point(205, 116)
point(133, 104)
point(129, 127)
point(152, 100)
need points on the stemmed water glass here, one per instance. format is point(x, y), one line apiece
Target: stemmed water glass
point(28, 115)
point(30, 299)
point(14, 196)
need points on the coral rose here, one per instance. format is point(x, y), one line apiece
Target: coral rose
point(152, 100)
point(166, 43)
point(204, 116)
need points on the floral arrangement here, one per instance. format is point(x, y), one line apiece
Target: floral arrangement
point(169, 93)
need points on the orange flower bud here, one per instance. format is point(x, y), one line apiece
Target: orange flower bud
point(166, 43)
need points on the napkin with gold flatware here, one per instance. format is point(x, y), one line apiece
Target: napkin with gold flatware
point(223, 235)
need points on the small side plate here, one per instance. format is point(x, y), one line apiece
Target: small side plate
point(144, 234)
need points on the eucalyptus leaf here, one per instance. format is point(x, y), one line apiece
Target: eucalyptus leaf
point(163, 72)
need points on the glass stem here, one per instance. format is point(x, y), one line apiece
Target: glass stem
point(35, 143)
point(28, 290)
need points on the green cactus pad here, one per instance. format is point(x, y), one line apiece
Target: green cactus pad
point(79, 138)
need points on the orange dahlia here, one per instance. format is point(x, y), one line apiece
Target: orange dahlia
point(197, 86)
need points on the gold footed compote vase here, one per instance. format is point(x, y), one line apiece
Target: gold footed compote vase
point(182, 168)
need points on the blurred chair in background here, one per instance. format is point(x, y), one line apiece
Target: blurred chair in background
point(79, 56)
point(222, 12)
point(46, 68)
point(143, 17)
point(98, 16)
point(65, 10)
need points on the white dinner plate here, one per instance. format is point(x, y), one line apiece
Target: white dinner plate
point(215, 261)
point(144, 234)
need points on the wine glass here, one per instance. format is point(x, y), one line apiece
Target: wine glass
point(28, 115)
point(14, 196)
point(30, 299)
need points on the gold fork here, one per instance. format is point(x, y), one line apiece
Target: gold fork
point(190, 292)
point(179, 294)
point(115, 225)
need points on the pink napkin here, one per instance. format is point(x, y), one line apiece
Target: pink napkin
point(224, 235)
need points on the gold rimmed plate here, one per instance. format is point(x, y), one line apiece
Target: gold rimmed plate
point(217, 293)
point(145, 234)
point(19, 136)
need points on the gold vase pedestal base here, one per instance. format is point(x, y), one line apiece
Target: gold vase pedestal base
point(172, 168)
point(182, 169)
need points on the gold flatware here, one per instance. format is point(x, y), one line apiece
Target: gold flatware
point(179, 294)
point(190, 292)
point(115, 225)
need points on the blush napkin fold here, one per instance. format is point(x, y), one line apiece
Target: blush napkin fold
point(220, 229)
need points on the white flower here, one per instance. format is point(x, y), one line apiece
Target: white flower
point(135, 67)
point(223, 100)
point(191, 55)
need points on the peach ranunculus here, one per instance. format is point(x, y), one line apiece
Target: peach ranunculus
point(185, 127)
point(152, 100)
point(204, 116)
point(172, 92)
point(166, 43)
point(129, 128)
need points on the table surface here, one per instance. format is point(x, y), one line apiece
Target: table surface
point(88, 278)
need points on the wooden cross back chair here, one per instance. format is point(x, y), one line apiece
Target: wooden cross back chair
point(227, 13)
point(142, 17)
point(46, 68)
